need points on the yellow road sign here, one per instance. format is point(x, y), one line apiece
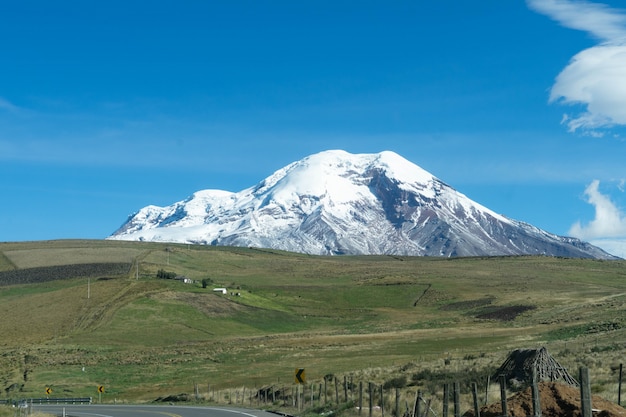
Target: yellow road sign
point(100, 388)
point(300, 376)
point(48, 390)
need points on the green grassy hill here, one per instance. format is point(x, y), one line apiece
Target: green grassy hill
point(78, 314)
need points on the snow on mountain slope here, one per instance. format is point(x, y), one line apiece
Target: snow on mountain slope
point(334, 202)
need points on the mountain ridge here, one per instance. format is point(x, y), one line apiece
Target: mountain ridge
point(334, 203)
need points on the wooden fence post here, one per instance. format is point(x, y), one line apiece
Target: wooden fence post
point(535, 395)
point(487, 390)
point(457, 399)
point(360, 397)
point(446, 399)
point(319, 397)
point(475, 395)
point(382, 402)
point(619, 386)
point(371, 397)
point(336, 391)
point(325, 392)
point(351, 388)
point(502, 379)
point(585, 393)
point(345, 389)
point(416, 406)
point(397, 413)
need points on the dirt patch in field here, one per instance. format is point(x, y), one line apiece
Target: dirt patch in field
point(556, 400)
point(507, 313)
point(483, 308)
point(209, 304)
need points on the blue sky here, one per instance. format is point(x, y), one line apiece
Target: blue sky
point(108, 107)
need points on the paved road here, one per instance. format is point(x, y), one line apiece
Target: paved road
point(147, 411)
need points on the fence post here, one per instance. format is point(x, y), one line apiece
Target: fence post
point(475, 395)
point(336, 391)
point(382, 402)
point(446, 399)
point(397, 413)
point(360, 397)
point(319, 397)
point(619, 386)
point(502, 379)
point(535, 395)
point(457, 399)
point(345, 389)
point(585, 393)
point(487, 390)
point(325, 392)
point(416, 406)
point(351, 388)
point(371, 397)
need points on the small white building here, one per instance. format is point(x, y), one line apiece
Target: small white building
point(184, 279)
point(222, 290)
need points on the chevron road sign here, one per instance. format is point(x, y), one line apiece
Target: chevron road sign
point(300, 376)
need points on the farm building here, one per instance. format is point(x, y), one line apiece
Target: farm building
point(221, 290)
point(519, 365)
point(184, 279)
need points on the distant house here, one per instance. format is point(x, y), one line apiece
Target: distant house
point(222, 290)
point(184, 279)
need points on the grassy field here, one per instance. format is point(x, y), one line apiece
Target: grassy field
point(374, 317)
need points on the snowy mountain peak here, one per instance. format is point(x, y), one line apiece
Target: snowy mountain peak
point(334, 202)
point(337, 176)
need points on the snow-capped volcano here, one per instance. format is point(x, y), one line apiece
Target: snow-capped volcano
point(335, 202)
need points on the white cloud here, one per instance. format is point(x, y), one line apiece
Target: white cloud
point(600, 20)
point(609, 221)
point(595, 77)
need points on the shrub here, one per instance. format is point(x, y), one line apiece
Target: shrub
point(398, 382)
point(165, 274)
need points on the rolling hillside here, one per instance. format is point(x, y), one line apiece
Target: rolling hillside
point(93, 312)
